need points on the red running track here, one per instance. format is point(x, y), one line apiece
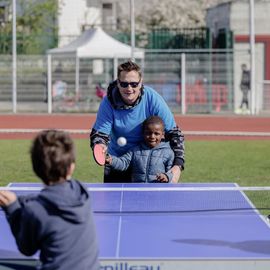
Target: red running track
point(189, 124)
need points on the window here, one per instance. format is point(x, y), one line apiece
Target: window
point(107, 6)
point(108, 16)
point(93, 3)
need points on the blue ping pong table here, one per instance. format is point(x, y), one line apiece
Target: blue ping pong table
point(164, 230)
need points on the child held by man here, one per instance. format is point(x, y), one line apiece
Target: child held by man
point(150, 161)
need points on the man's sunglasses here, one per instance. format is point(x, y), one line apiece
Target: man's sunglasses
point(126, 84)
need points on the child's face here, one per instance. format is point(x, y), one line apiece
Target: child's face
point(153, 134)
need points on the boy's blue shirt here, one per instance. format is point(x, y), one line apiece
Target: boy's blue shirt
point(127, 123)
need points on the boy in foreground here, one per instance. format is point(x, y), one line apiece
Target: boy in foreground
point(58, 221)
point(152, 160)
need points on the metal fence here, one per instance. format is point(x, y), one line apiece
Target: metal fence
point(263, 100)
point(205, 77)
point(190, 81)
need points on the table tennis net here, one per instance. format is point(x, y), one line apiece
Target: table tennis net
point(174, 199)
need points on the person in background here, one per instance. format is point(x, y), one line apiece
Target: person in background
point(150, 161)
point(245, 86)
point(58, 221)
point(121, 114)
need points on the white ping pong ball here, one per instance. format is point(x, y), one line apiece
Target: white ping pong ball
point(121, 141)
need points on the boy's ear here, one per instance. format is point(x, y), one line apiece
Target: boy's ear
point(71, 170)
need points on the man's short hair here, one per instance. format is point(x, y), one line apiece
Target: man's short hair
point(127, 67)
point(154, 119)
point(52, 154)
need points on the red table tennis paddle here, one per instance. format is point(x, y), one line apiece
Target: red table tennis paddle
point(99, 154)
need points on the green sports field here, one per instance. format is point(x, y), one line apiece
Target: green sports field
point(245, 162)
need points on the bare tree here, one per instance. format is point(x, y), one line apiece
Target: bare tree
point(166, 13)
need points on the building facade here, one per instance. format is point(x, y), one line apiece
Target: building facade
point(77, 15)
point(235, 16)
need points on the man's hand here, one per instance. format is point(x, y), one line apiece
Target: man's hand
point(108, 159)
point(161, 177)
point(175, 170)
point(7, 198)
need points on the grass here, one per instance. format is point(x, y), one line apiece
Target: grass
point(243, 162)
point(15, 163)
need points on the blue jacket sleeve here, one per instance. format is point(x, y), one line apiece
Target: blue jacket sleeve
point(122, 163)
point(105, 117)
point(103, 125)
point(24, 228)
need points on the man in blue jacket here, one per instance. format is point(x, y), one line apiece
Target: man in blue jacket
point(58, 221)
point(121, 114)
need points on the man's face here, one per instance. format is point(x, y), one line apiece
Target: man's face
point(153, 134)
point(129, 84)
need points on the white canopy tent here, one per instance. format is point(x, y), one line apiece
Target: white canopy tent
point(93, 43)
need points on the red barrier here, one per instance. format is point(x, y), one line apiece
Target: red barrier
point(196, 94)
point(219, 96)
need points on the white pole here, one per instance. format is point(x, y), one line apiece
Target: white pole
point(252, 56)
point(115, 65)
point(183, 83)
point(132, 27)
point(77, 75)
point(14, 57)
point(49, 82)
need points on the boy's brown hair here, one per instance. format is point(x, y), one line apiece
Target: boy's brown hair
point(127, 67)
point(52, 154)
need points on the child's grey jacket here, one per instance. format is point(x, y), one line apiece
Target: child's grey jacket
point(146, 162)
